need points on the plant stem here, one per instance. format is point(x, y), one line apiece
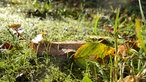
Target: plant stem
point(11, 34)
point(116, 45)
point(141, 11)
point(96, 25)
point(111, 69)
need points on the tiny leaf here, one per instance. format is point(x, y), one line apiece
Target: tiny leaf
point(86, 79)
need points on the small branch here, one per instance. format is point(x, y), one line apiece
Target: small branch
point(23, 36)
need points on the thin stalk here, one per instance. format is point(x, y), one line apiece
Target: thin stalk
point(96, 25)
point(11, 34)
point(111, 69)
point(116, 45)
point(121, 66)
point(115, 30)
point(141, 11)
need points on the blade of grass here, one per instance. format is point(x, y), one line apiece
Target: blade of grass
point(111, 69)
point(96, 24)
point(141, 11)
point(115, 29)
point(116, 45)
point(138, 30)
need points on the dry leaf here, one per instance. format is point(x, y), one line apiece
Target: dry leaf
point(68, 50)
point(143, 72)
point(37, 39)
point(56, 48)
point(124, 49)
point(6, 45)
point(127, 37)
point(129, 79)
point(110, 29)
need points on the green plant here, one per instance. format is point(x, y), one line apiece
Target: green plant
point(96, 20)
point(116, 45)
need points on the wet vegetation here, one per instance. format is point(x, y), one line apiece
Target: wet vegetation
point(113, 29)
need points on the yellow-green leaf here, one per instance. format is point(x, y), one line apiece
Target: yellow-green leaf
point(98, 50)
point(92, 52)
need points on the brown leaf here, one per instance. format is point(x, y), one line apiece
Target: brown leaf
point(127, 37)
point(56, 48)
point(129, 79)
point(123, 50)
point(110, 29)
point(133, 45)
point(6, 45)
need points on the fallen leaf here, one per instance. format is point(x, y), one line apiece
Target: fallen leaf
point(89, 49)
point(127, 37)
point(129, 78)
point(110, 29)
point(34, 43)
point(124, 49)
point(68, 50)
point(143, 72)
point(6, 45)
point(56, 48)
point(39, 37)
point(92, 52)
